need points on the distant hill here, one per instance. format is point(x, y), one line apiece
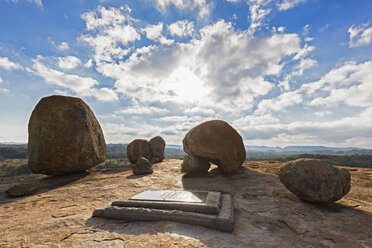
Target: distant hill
point(118, 150)
point(12, 151)
point(301, 149)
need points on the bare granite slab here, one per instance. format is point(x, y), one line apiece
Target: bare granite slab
point(167, 199)
point(223, 221)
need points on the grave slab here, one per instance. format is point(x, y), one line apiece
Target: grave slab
point(189, 201)
point(223, 221)
point(171, 196)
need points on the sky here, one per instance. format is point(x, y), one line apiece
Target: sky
point(281, 72)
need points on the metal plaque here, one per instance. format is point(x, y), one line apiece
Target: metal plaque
point(171, 196)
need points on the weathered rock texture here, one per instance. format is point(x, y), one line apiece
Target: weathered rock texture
point(157, 146)
point(138, 148)
point(218, 142)
point(194, 164)
point(142, 166)
point(22, 189)
point(314, 180)
point(64, 137)
point(266, 213)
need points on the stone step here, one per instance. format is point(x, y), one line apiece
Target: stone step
point(223, 221)
point(210, 203)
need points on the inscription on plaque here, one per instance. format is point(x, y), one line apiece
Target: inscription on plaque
point(171, 196)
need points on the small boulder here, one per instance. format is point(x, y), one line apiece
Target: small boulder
point(217, 142)
point(64, 136)
point(142, 166)
point(314, 180)
point(157, 146)
point(22, 189)
point(194, 164)
point(138, 148)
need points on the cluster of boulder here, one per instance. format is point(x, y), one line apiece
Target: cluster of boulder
point(142, 153)
point(216, 142)
point(65, 137)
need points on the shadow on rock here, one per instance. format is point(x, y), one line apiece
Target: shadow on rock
point(44, 185)
point(137, 176)
point(115, 170)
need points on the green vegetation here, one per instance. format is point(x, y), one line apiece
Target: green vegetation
point(355, 160)
point(13, 151)
point(116, 151)
point(15, 170)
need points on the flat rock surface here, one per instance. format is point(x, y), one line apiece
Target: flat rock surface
point(266, 213)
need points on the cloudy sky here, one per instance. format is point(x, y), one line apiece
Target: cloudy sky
point(282, 72)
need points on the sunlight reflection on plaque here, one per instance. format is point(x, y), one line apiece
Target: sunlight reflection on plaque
point(171, 196)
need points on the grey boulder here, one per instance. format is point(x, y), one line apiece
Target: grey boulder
point(314, 180)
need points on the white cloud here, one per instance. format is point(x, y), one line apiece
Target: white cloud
point(288, 4)
point(7, 64)
point(222, 65)
point(256, 120)
point(63, 46)
point(305, 51)
point(199, 111)
point(223, 73)
point(176, 118)
point(89, 63)
point(340, 132)
point(279, 103)
point(258, 11)
point(323, 113)
point(281, 29)
point(109, 30)
point(3, 89)
point(154, 32)
point(360, 35)
point(349, 84)
point(37, 2)
point(142, 110)
point(202, 6)
point(83, 86)
point(297, 70)
point(172, 127)
point(69, 62)
point(306, 30)
point(181, 28)
point(103, 17)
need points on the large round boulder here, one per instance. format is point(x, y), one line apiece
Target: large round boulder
point(218, 142)
point(138, 148)
point(314, 180)
point(64, 136)
point(157, 146)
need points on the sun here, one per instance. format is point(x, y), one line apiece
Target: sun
point(186, 85)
